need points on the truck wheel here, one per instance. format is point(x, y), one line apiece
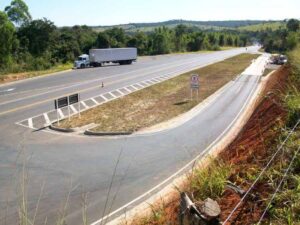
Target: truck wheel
point(129, 62)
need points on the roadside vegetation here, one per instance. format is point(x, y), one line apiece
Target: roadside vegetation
point(28, 44)
point(143, 108)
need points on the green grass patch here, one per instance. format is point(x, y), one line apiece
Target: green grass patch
point(209, 182)
point(5, 78)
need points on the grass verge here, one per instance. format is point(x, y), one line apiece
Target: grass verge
point(5, 78)
point(162, 101)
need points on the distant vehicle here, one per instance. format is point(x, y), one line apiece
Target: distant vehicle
point(279, 59)
point(98, 57)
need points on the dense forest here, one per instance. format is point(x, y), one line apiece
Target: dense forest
point(36, 44)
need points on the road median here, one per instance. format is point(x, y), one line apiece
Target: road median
point(160, 102)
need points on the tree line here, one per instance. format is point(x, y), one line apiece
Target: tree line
point(27, 44)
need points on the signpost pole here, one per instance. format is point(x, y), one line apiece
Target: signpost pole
point(79, 108)
point(69, 110)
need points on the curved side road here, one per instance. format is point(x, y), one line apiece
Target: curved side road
point(113, 171)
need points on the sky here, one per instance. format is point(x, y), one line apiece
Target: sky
point(112, 12)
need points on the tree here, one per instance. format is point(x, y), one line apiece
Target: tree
point(117, 37)
point(37, 36)
point(18, 12)
point(102, 40)
point(180, 40)
point(292, 25)
point(221, 40)
point(7, 39)
point(196, 42)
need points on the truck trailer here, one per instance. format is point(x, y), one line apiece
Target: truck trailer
point(98, 57)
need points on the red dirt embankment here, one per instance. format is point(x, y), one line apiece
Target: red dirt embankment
point(251, 149)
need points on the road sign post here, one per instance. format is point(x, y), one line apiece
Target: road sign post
point(60, 103)
point(66, 101)
point(73, 99)
point(194, 82)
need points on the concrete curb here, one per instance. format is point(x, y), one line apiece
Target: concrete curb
point(101, 133)
point(64, 130)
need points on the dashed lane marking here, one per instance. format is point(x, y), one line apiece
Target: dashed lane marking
point(60, 114)
point(97, 103)
point(47, 118)
point(30, 123)
point(73, 109)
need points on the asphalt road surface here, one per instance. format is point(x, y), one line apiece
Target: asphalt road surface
point(57, 169)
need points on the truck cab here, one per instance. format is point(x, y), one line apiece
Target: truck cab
point(83, 61)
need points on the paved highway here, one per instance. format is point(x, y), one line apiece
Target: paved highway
point(60, 164)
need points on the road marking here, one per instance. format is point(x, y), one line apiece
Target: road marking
point(8, 90)
point(94, 100)
point(118, 90)
point(150, 82)
point(134, 87)
point(156, 80)
point(30, 123)
point(84, 105)
point(137, 84)
point(127, 89)
point(46, 118)
point(145, 83)
point(60, 114)
point(105, 99)
point(73, 108)
point(112, 95)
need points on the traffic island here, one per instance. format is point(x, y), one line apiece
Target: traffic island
point(160, 102)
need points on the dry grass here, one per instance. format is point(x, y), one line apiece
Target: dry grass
point(6, 78)
point(160, 102)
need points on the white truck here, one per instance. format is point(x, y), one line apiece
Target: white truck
point(97, 57)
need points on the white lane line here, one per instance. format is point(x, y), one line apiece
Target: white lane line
point(156, 80)
point(46, 118)
point(121, 93)
point(94, 100)
point(30, 123)
point(127, 89)
point(8, 90)
point(135, 88)
point(84, 105)
point(60, 114)
point(105, 99)
point(150, 82)
point(112, 95)
point(142, 86)
point(73, 108)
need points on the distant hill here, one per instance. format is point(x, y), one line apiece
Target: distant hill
point(263, 26)
point(204, 25)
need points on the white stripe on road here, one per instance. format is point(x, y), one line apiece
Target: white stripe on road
point(60, 113)
point(102, 96)
point(46, 118)
point(112, 95)
point(127, 89)
point(73, 108)
point(30, 123)
point(121, 93)
point(84, 105)
point(135, 88)
point(97, 103)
